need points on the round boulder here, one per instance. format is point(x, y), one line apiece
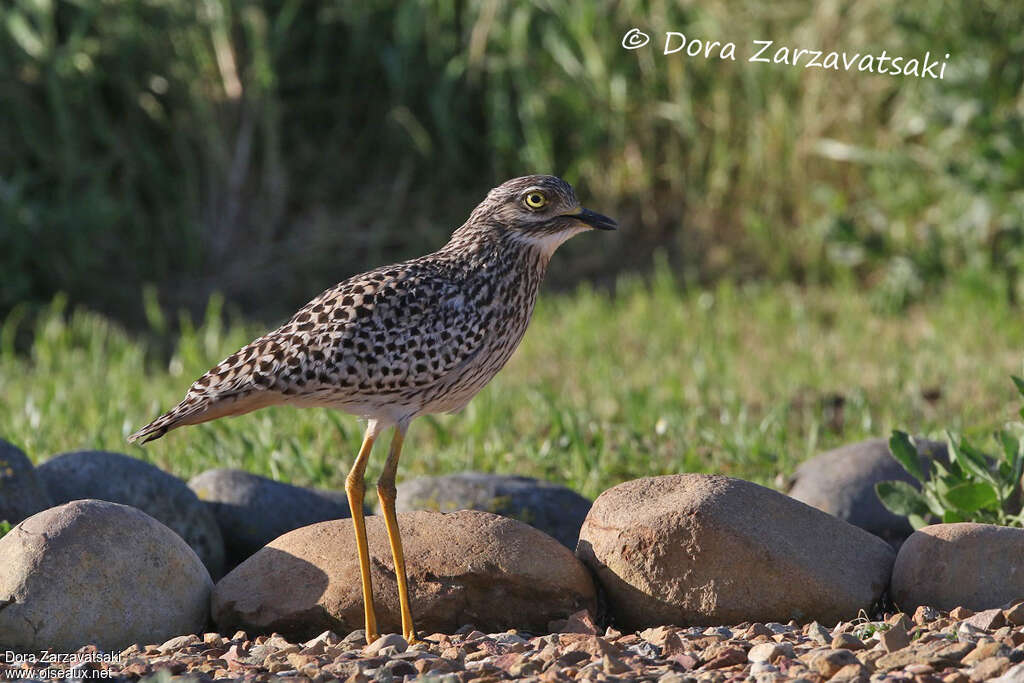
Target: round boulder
point(701, 549)
point(464, 567)
point(95, 572)
point(252, 510)
point(976, 566)
point(123, 479)
point(555, 510)
point(21, 492)
point(842, 483)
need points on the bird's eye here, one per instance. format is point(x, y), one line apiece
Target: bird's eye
point(535, 200)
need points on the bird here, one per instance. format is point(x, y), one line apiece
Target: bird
point(400, 341)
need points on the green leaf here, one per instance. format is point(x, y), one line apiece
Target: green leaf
point(904, 451)
point(1019, 382)
point(952, 517)
point(901, 498)
point(917, 521)
point(932, 500)
point(961, 452)
point(973, 496)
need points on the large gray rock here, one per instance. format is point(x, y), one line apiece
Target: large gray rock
point(959, 565)
point(464, 567)
point(94, 572)
point(842, 483)
point(253, 510)
point(123, 479)
point(21, 492)
point(700, 549)
point(555, 510)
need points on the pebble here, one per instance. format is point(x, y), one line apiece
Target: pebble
point(666, 653)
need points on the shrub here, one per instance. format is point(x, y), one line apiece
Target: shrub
point(970, 488)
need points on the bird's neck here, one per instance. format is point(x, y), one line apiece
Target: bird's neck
point(475, 251)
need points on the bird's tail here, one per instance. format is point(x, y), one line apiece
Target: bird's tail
point(177, 417)
point(198, 408)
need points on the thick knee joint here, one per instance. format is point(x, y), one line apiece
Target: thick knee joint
point(354, 486)
point(386, 491)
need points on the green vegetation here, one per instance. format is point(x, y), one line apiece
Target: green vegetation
point(971, 488)
point(5, 526)
point(274, 145)
point(740, 379)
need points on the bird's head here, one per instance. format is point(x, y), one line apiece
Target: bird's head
point(541, 210)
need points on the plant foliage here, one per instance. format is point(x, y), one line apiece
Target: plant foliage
point(971, 487)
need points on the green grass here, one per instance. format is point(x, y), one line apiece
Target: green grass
point(746, 381)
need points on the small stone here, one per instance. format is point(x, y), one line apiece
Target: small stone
point(847, 641)
point(899, 619)
point(987, 619)
point(818, 633)
point(763, 668)
point(852, 673)
point(757, 629)
point(925, 614)
point(1013, 675)
point(829, 662)
point(613, 665)
point(579, 622)
point(769, 652)
point(390, 640)
point(178, 642)
point(895, 638)
point(357, 638)
point(656, 635)
point(983, 650)
point(728, 657)
point(960, 613)
point(1015, 614)
point(989, 668)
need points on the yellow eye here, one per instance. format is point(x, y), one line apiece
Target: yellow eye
point(535, 200)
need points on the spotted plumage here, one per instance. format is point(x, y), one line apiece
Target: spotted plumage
point(422, 336)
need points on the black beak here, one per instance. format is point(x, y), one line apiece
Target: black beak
point(596, 220)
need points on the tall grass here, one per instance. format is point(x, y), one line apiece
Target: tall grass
point(737, 379)
point(275, 146)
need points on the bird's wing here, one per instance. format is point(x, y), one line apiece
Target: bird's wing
point(393, 330)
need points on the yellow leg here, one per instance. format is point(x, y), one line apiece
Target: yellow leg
point(386, 491)
point(355, 487)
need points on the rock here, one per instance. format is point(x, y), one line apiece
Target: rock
point(95, 572)
point(253, 510)
point(842, 483)
point(769, 652)
point(464, 567)
point(947, 565)
point(555, 510)
point(847, 641)
point(390, 640)
point(694, 548)
point(21, 492)
point(123, 479)
point(895, 638)
point(1015, 614)
point(1013, 675)
point(829, 662)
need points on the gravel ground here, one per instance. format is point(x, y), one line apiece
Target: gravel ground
point(953, 647)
